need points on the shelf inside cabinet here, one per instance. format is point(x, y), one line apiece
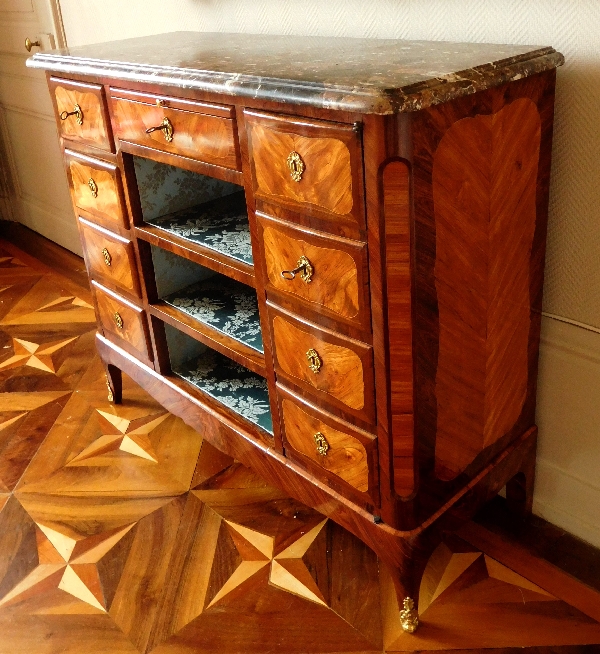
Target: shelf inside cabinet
point(242, 391)
point(220, 225)
point(208, 306)
point(225, 305)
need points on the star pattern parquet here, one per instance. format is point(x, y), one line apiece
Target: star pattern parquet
point(122, 531)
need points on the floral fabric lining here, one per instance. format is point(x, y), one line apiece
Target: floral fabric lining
point(231, 384)
point(221, 225)
point(226, 305)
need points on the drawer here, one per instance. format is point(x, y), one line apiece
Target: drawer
point(311, 165)
point(192, 129)
point(109, 256)
point(124, 320)
point(81, 112)
point(96, 188)
point(328, 274)
point(336, 369)
point(338, 450)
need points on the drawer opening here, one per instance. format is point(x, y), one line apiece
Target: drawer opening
point(226, 381)
point(219, 303)
point(194, 207)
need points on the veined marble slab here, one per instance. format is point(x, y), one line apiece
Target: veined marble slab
point(380, 76)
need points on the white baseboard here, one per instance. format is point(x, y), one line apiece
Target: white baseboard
point(567, 491)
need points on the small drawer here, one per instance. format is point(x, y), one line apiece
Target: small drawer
point(311, 165)
point(96, 187)
point(336, 369)
point(121, 319)
point(339, 450)
point(109, 256)
point(81, 112)
point(205, 132)
point(329, 274)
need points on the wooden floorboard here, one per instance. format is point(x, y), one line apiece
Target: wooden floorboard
point(123, 531)
point(57, 258)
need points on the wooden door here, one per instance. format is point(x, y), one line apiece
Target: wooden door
point(33, 186)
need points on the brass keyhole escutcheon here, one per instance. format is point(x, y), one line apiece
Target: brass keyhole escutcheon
point(166, 127)
point(76, 112)
point(304, 268)
point(93, 187)
point(107, 257)
point(314, 360)
point(296, 165)
point(118, 320)
point(321, 443)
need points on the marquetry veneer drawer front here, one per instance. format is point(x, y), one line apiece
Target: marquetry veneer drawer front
point(124, 320)
point(336, 369)
point(309, 165)
point(81, 112)
point(96, 187)
point(192, 129)
point(337, 448)
point(109, 256)
point(329, 274)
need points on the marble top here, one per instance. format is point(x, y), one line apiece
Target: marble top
point(379, 76)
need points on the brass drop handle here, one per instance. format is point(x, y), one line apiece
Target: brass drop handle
point(107, 257)
point(304, 267)
point(31, 44)
point(296, 165)
point(76, 112)
point(314, 360)
point(118, 320)
point(321, 443)
point(93, 187)
point(167, 129)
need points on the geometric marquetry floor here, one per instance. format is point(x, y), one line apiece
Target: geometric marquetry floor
point(121, 531)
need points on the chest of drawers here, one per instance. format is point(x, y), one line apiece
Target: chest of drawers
point(326, 255)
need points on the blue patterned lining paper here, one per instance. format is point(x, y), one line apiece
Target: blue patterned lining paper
point(220, 225)
point(226, 305)
point(233, 385)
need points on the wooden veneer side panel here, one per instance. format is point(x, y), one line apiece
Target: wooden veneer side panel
point(484, 190)
point(396, 208)
point(429, 127)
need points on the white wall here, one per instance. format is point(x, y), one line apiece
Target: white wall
point(568, 488)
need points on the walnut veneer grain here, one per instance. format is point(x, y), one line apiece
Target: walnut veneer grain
point(330, 153)
point(94, 127)
point(344, 376)
point(199, 131)
point(346, 455)
point(96, 188)
point(109, 257)
point(123, 320)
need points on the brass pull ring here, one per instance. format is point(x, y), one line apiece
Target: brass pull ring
point(76, 112)
point(166, 127)
point(296, 165)
point(314, 360)
point(118, 320)
point(93, 187)
point(304, 267)
point(321, 443)
point(107, 257)
point(31, 44)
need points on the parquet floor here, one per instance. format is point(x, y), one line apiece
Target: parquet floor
point(122, 531)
